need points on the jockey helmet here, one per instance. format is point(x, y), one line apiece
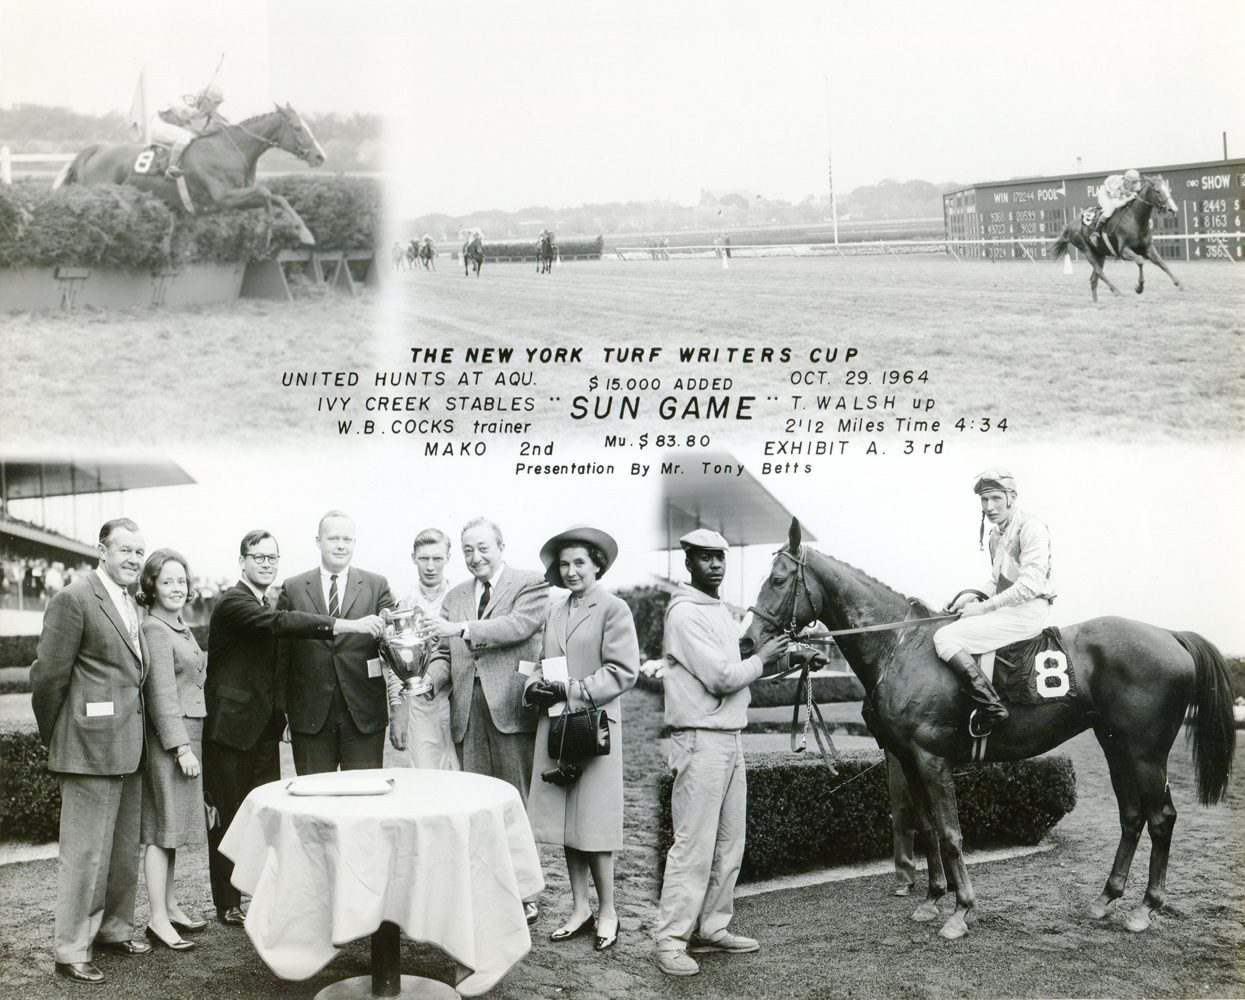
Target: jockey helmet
point(996, 478)
point(212, 93)
point(1132, 176)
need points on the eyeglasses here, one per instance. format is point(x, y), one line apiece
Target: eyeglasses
point(261, 560)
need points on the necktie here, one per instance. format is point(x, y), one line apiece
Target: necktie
point(131, 619)
point(335, 604)
point(264, 601)
point(484, 596)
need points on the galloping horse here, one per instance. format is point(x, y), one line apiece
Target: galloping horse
point(545, 253)
point(428, 254)
point(1126, 236)
point(1135, 683)
point(473, 254)
point(219, 168)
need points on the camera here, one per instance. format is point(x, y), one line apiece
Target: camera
point(563, 774)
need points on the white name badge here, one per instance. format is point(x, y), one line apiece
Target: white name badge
point(94, 708)
point(373, 668)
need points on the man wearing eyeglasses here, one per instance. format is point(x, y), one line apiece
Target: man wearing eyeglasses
point(245, 717)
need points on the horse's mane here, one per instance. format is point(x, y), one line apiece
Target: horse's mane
point(264, 114)
point(916, 603)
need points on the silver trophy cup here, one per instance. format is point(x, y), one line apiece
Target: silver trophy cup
point(400, 644)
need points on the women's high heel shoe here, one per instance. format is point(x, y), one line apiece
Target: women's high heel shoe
point(187, 926)
point(566, 933)
point(181, 944)
point(606, 941)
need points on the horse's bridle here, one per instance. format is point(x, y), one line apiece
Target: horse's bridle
point(792, 630)
point(302, 151)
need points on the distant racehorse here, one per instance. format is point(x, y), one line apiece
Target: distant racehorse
point(398, 255)
point(545, 254)
point(428, 255)
point(1132, 683)
point(1126, 235)
point(219, 168)
point(473, 254)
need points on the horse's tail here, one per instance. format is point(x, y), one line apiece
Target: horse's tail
point(72, 174)
point(1212, 729)
point(1061, 245)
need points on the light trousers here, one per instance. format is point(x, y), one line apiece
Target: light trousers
point(708, 807)
point(993, 630)
point(97, 873)
point(903, 821)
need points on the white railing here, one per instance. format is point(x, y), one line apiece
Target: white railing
point(880, 248)
point(8, 158)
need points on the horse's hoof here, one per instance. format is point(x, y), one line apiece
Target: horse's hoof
point(1100, 907)
point(926, 912)
point(1139, 919)
point(953, 928)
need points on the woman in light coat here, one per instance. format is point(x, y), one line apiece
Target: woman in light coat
point(594, 630)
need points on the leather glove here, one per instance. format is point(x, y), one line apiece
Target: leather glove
point(815, 658)
point(546, 693)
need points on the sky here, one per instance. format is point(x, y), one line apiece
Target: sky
point(1142, 532)
point(503, 105)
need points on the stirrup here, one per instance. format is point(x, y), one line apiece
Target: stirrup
point(172, 173)
point(979, 727)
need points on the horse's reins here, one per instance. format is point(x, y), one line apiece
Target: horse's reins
point(813, 718)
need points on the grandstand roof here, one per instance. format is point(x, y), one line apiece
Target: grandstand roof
point(737, 506)
point(26, 479)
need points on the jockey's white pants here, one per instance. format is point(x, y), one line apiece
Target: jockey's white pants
point(170, 136)
point(708, 807)
point(1109, 204)
point(993, 630)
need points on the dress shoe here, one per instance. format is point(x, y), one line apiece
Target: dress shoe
point(678, 963)
point(736, 944)
point(565, 933)
point(79, 972)
point(124, 947)
point(181, 944)
point(187, 926)
point(605, 942)
point(531, 911)
point(232, 916)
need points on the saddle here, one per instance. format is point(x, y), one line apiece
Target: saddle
point(152, 161)
point(1032, 672)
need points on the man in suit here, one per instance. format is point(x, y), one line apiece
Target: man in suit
point(86, 691)
point(488, 625)
point(335, 693)
point(245, 717)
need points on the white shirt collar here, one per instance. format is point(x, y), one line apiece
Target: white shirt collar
point(492, 581)
point(259, 594)
point(118, 594)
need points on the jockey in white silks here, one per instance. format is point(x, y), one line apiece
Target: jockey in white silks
point(1117, 190)
point(186, 118)
point(1018, 595)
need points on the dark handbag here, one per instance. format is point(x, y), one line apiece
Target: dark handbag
point(580, 734)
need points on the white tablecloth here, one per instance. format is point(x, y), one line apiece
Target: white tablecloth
point(447, 856)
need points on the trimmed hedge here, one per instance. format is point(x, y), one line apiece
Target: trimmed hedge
point(18, 650)
point(767, 693)
point(801, 817)
point(117, 226)
point(648, 608)
point(30, 797)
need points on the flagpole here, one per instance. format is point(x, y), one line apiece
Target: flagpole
point(834, 208)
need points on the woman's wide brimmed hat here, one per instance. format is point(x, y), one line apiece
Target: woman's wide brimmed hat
point(585, 535)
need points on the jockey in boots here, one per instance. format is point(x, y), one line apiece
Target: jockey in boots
point(1116, 191)
point(1018, 595)
point(185, 119)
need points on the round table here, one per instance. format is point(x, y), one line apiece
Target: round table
point(445, 856)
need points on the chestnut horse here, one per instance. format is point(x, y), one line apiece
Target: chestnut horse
point(218, 168)
point(1137, 684)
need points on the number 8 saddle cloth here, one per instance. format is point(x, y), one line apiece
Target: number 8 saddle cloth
point(1034, 671)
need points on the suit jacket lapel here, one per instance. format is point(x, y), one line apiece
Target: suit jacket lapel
point(354, 584)
point(114, 616)
point(314, 591)
point(557, 630)
point(503, 587)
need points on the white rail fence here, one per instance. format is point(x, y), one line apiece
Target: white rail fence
point(880, 248)
point(8, 158)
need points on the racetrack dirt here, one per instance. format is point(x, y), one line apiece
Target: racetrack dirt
point(1030, 936)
